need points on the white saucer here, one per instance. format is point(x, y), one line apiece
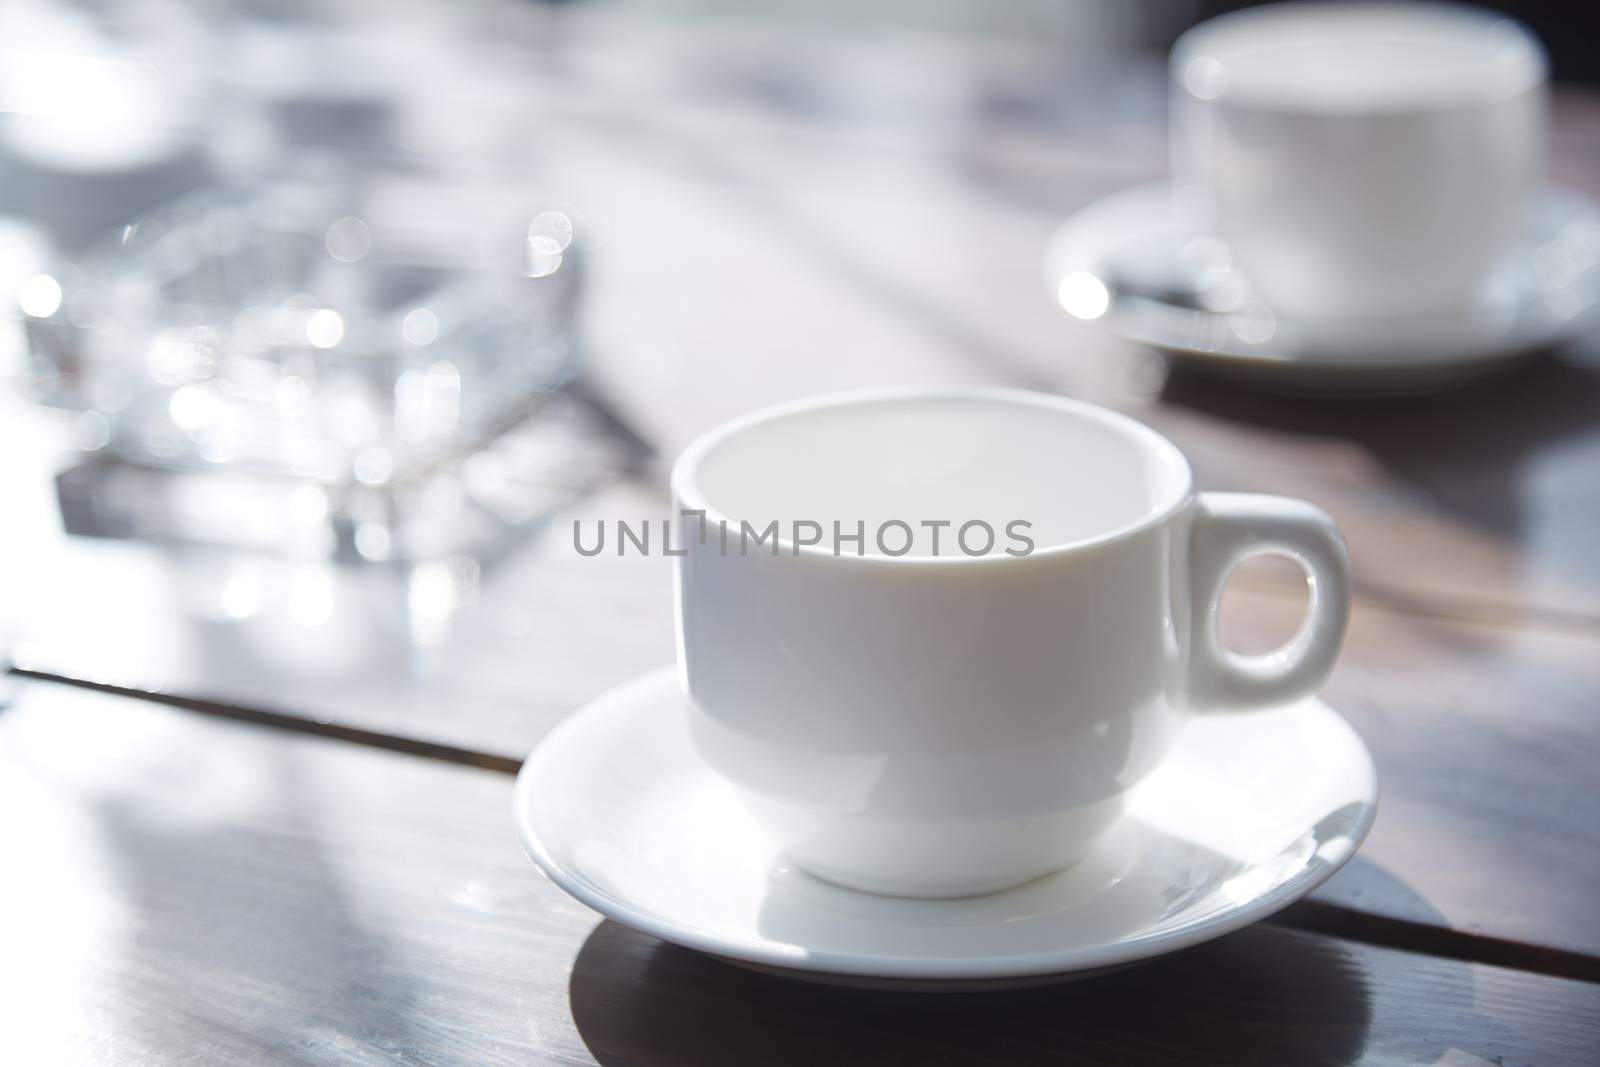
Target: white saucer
point(1162, 282)
point(1250, 812)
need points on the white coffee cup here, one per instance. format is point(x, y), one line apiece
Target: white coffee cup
point(1360, 160)
point(945, 724)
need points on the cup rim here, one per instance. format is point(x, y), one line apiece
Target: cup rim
point(1531, 74)
point(687, 494)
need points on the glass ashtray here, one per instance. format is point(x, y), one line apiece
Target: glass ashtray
point(283, 334)
point(283, 372)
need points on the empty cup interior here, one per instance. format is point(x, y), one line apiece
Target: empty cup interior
point(1073, 473)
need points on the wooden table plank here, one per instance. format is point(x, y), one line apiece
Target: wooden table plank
point(1482, 499)
point(1486, 745)
point(206, 890)
point(447, 653)
point(860, 258)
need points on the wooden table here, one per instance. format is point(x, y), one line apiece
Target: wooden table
point(248, 840)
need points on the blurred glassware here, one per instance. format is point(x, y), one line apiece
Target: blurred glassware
point(357, 349)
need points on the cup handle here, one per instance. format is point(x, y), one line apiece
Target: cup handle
point(1226, 530)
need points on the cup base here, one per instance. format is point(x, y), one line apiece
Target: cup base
point(933, 859)
point(921, 890)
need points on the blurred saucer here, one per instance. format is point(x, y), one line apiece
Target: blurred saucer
point(1250, 812)
point(1161, 281)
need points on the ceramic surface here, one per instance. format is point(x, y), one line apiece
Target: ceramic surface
point(1135, 258)
point(1360, 160)
point(944, 725)
point(1249, 812)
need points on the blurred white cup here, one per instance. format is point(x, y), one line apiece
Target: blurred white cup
point(1360, 160)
